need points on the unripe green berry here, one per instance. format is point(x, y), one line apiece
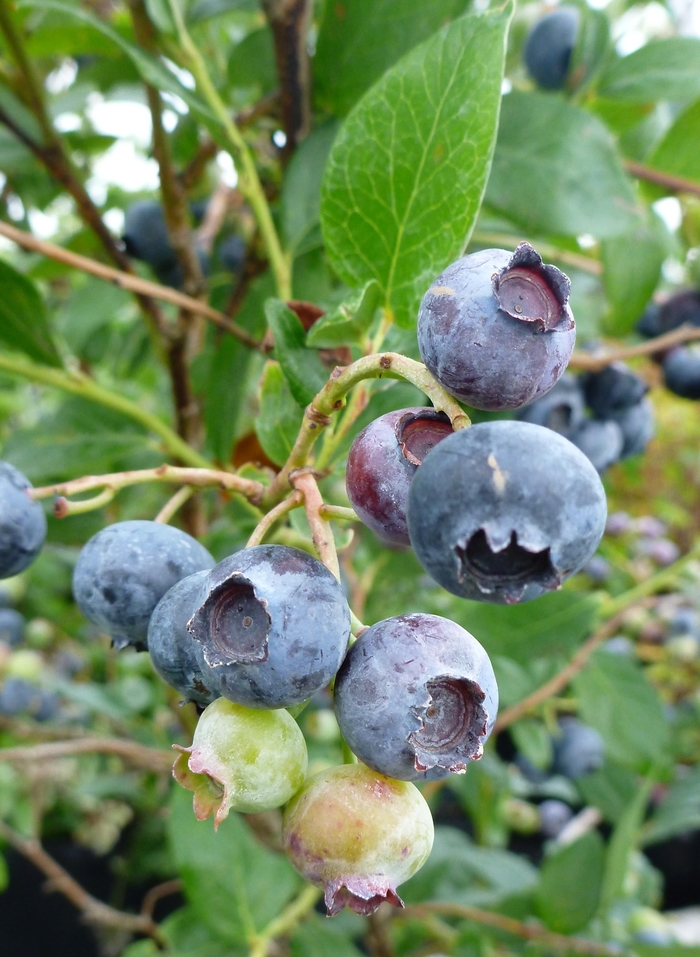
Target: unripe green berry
point(358, 835)
point(241, 759)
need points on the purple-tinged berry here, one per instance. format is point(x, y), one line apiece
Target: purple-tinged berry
point(612, 390)
point(681, 309)
point(382, 461)
point(495, 328)
point(549, 45)
point(357, 835)
point(22, 523)
point(578, 750)
point(274, 626)
point(241, 760)
point(554, 816)
point(505, 511)
point(416, 698)
point(682, 372)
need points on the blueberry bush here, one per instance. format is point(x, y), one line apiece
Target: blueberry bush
point(350, 492)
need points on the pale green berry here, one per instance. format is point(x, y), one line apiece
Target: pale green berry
point(242, 759)
point(358, 835)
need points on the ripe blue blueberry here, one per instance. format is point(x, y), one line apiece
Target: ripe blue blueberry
point(637, 426)
point(600, 441)
point(495, 328)
point(176, 656)
point(681, 309)
point(124, 571)
point(649, 323)
point(549, 45)
point(562, 409)
point(22, 523)
point(612, 390)
point(682, 372)
point(18, 696)
point(416, 698)
point(274, 626)
point(12, 625)
point(578, 750)
point(505, 511)
point(382, 461)
point(146, 237)
point(554, 816)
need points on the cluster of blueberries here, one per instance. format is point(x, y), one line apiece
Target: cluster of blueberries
point(681, 363)
point(268, 627)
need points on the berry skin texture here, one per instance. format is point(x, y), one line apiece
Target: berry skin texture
point(357, 835)
point(241, 760)
point(504, 511)
point(382, 461)
point(274, 626)
point(637, 426)
point(562, 409)
point(433, 695)
point(124, 571)
point(600, 441)
point(682, 372)
point(554, 816)
point(548, 48)
point(578, 750)
point(495, 328)
point(12, 625)
point(22, 523)
point(176, 656)
point(614, 389)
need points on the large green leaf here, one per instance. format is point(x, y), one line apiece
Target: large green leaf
point(302, 367)
point(235, 885)
point(570, 883)
point(661, 70)
point(624, 840)
point(631, 270)
point(679, 151)
point(616, 698)
point(406, 173)
point(301, 189)
point(680, 810)
point(318, 937)
point(24, 324)
point(555, 170)
point(360, 39)
point(280, 416)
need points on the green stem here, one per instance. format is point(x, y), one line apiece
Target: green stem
point(657, 582)
point(79, 384)
point(249, 182)
point(340, 513)
point(287, 921)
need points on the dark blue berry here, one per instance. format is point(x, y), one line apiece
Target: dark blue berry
point(124, 571)
point(382, 461)
point(176, 656)
point(146, 237)
point(682, 372)
point(505, 511)
point(416, 698)
point(549, 46)
point(231, 253)
point(612, 390)
point(683, 308)
point(562, 409)
point(637, 426)
point(274, 626)
point(20, 697)
point(12, 625)
point(554, 816)
point(578, 750)
point(649, 323)
point(600, 441)
point(495, 328)
point(22, 523)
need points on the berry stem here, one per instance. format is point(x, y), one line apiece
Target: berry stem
point(173, 504)
point(287, 921)
point(305, 482)
point(340, 513)
point(594, 363)
point(295, 500)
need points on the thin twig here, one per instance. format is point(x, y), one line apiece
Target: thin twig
point(93, 910)
point(340, 513)
point(289, 23)
point(305, 481)
point(547, 938)
point(585, 360)
point(173, 504)
point(268, 520)
point(127, 281)
point(158, 893)
point(676, 184)
point(138, 755)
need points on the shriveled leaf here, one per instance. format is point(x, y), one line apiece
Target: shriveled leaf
point(570, 882)
point(349, 322)
point(661, 70)
point(24, 324)
point(301, 366)
point(555, 170)
point(280, 417)
point(419, 143)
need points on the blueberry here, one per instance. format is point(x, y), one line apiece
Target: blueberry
point(12, 625)
point(562, 409)
point(124, 571)
point(433, 698)
point(613, 390)
point(681, 309)
point(22, 523)
point(681, 369)
point(578, 750)
point(598, 568)
point(20, 697)
point(241, 760)
point(146, 237)
point(495, 328)
point(382, 461)
point(549, 46)
point(176, 656)
point(554, 816)
point(649, 323)
point(274, 626)
point(231, 253)
point(357, 835)
point(600, 441)
point(637, 426)
point(505, 511)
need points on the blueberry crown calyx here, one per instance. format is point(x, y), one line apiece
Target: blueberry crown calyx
point(531, 291)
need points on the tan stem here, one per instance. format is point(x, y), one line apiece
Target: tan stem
point(137, 755)
point(583, 360)
point(174, 504)
point(676, 184)
point(292, 501)
point(304, 481)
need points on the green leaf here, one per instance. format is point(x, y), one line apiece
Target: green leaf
point(678, 152)
point(349, 322)
point(533, 741)
point(280, 417)
point(624, 840)
point(252, 61)
point(360, 39)
point(235, 885)
point(18, 112)
point(555, 170)
point(570, 883)
point(317, 937)
point(631, 270)
point(661, 70)
point(301, 189)
point(616, 698)
point(302, 367)
point(92, 305)
point(419, 143)
point(186, 937)
point(592, 45)
point(224, 394)
point(202, 10)
point(4, 875)
point(24, 324)
point(610, 789)
point(680, 810)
